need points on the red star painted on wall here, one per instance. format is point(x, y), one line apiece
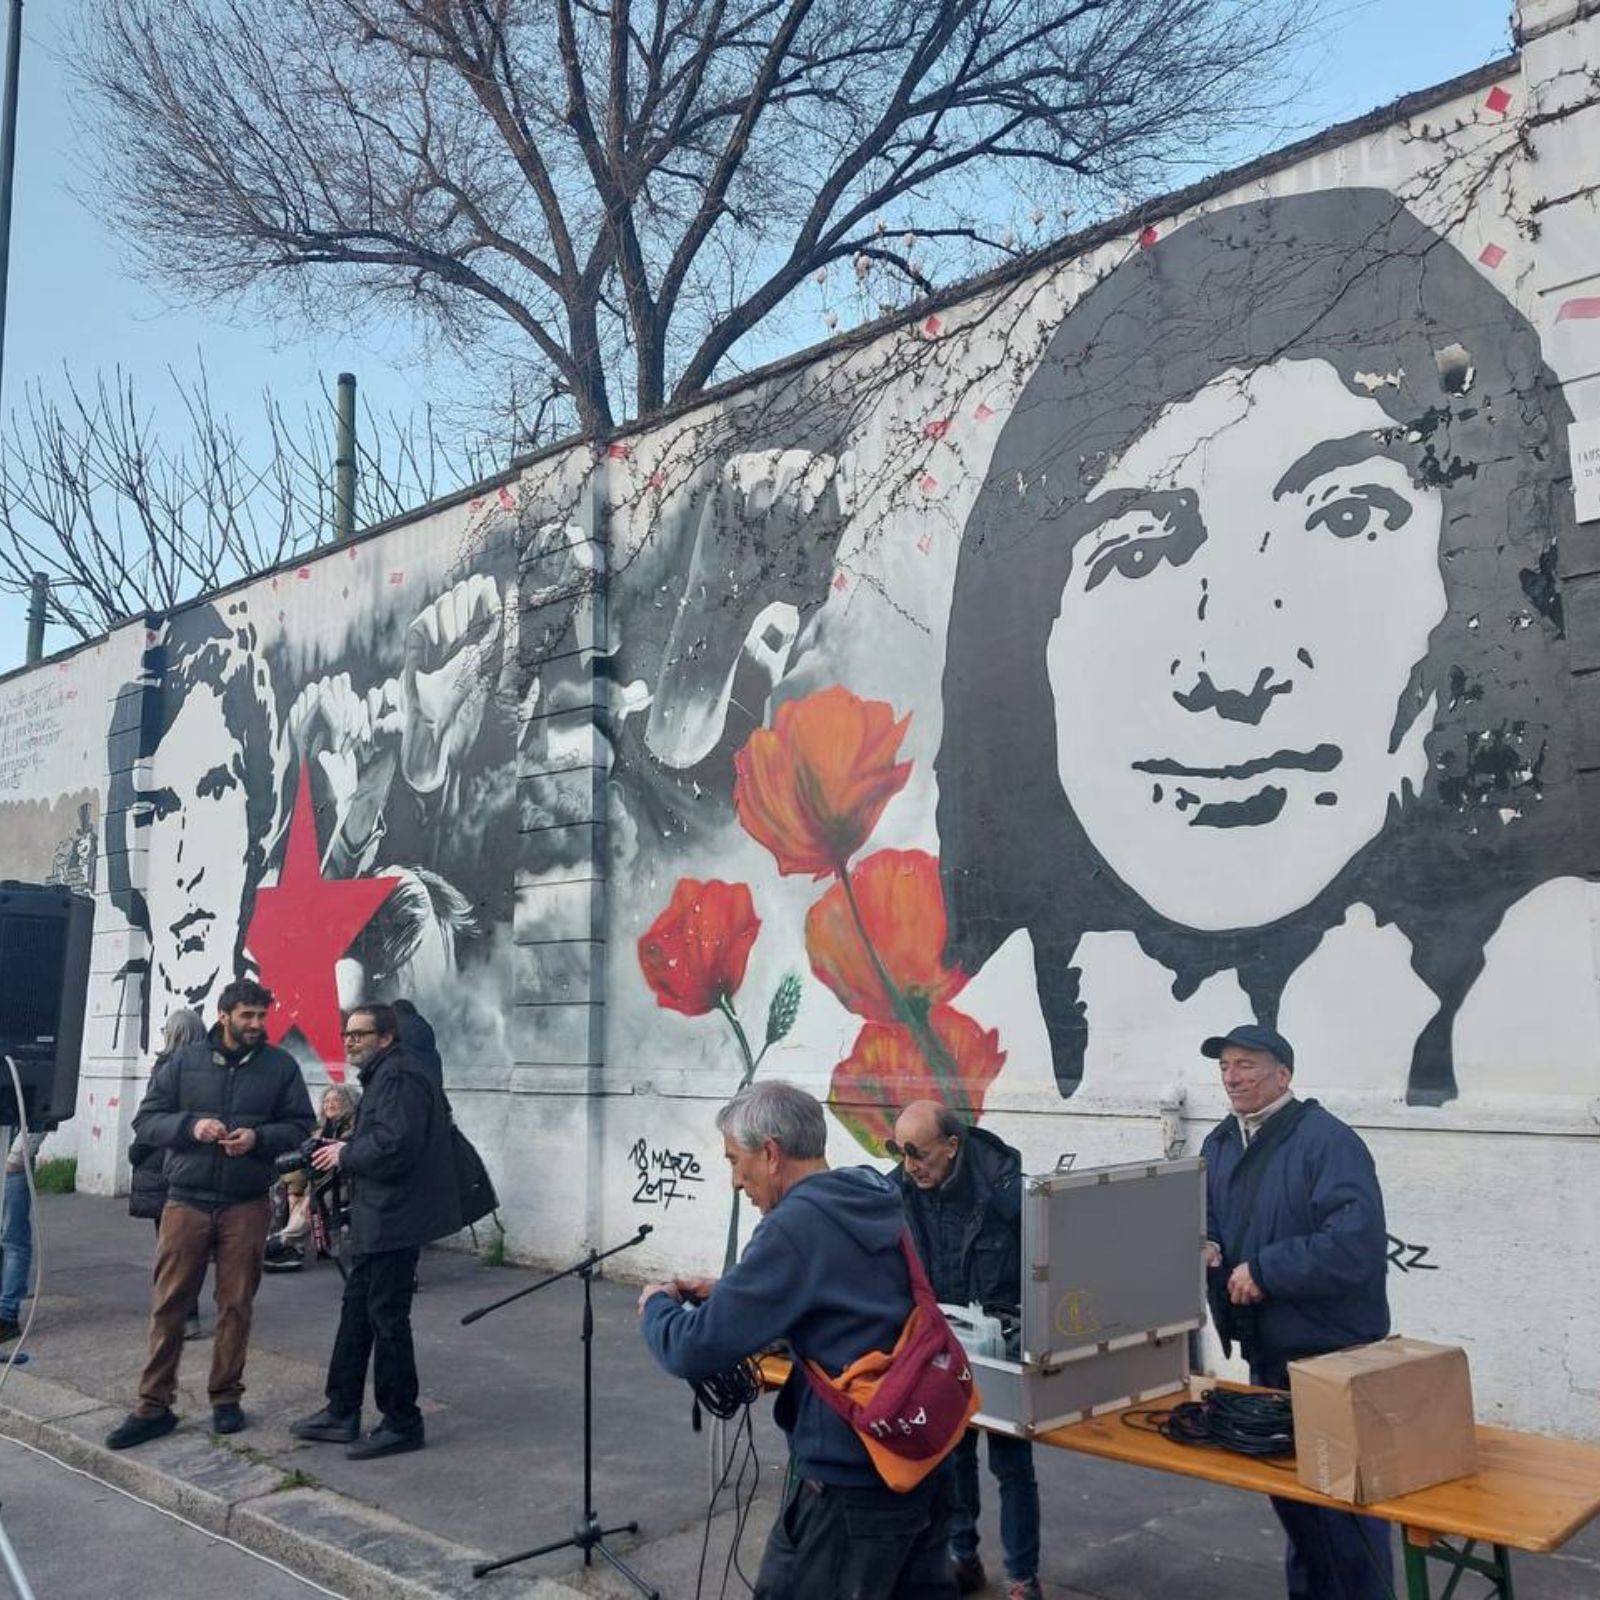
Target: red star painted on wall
point(301, 927)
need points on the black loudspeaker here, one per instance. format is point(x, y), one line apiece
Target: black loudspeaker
point(44, 989)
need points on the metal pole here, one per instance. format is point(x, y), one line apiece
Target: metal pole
point(344, 463)
point(8, 160)
point(38, 599)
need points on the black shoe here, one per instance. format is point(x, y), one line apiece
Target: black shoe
point(9, 1330)
point(328, 1427)
point(970, 1576)
point(134, 1429)
point(228, 1417)
point(384, 1441)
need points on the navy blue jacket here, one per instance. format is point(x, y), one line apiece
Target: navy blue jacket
point(824, 1271)
point(1315, 1238)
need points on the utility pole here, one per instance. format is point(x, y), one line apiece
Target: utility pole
point(8, 161)
point(344, 460)
point(39, 587)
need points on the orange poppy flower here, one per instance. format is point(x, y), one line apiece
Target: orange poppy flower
point(902, 907)
point(812, 787)
point(885, 1072)
point(695, 953)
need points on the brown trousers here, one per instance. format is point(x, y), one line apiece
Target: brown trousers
point(189, 1236)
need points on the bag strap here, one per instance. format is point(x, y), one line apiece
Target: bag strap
point(921, 1295)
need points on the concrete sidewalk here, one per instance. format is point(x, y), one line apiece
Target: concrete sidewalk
point(502, 1469)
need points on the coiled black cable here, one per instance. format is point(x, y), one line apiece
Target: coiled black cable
point(727, 1394)
point(1248, 1424)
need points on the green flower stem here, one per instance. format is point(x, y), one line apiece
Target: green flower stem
point(730, 1252)
point(913, 1016)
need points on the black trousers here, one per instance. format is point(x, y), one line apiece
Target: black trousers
point(834, 1543)
point(375, 1324)
point(1332, 1555)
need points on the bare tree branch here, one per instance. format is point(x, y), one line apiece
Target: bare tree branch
point(635, 186)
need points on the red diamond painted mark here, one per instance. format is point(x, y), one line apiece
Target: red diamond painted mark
point(840, 583)
point(1491, 255)
point(1497, 100)
point(475, 505)
point(933, 327)
point(506, 502)
point(928, 484)
point(397, 577)
point(618, 452)
point(302, 926)
point(657, 480)
point(982, 413)
point(1147, 238)
point(925, 543)
point(936, 429)
point(304, 572)
point(1574, 310)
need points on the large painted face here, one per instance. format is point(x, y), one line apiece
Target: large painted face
point(197, 828)
point(1235, 639)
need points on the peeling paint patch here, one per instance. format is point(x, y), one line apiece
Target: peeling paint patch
point(1374, 381)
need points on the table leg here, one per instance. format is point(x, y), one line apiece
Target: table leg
point(1414, 1542)
point(1420, 1547)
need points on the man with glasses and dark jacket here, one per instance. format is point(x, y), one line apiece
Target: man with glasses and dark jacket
point(223, 1109)
point(962, 1189)
point(402, 1194)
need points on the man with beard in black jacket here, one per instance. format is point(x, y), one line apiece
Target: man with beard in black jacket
point(223, 1109)
point(402, 1190)
point(962, 1189)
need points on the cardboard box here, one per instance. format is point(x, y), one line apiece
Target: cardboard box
point(1382, 1419)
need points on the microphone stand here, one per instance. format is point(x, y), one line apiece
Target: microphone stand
point(587, 1533)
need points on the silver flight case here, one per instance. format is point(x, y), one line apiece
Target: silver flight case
point(1112, 1286)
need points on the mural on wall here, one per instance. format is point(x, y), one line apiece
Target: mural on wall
point(321, 805)
point(1252, 656)
point(1264, 563)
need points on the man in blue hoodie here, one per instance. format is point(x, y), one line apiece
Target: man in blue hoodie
point(824, 1272)
point(1296, 1259)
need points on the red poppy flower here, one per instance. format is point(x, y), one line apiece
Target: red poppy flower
point(885, 1072)
point(694, 954)
point(812, 787)
point(902, 907)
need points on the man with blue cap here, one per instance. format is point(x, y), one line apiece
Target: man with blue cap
point(1296, 1257)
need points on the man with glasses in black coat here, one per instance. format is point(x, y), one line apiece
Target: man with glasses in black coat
point(402, 1194)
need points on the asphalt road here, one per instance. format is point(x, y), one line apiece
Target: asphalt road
point(75, 1538)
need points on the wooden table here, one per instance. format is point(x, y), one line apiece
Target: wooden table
point(1529, 1492)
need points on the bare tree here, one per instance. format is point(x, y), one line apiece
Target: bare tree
point(121, 522)
point(634, 186)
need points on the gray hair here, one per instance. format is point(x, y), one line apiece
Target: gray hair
point(778, 1111)
point(182, 1027)
point(949, 1124)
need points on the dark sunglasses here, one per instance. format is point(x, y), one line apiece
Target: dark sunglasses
point(907, 1151)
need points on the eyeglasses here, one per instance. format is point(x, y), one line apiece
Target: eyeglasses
point(909, 1151)
point(359, 1033)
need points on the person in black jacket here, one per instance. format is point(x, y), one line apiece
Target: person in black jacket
point(1296, 1265)
point(402, 1195)
point(962, 1189)
point(223, 1109)
point(416, 1035)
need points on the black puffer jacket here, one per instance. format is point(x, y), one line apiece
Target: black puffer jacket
point(399, 1161)
point(147, 1184)
point(969, 1230)
point(260, 1089)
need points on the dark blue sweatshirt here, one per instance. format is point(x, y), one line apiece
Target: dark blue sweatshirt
point(1315, 1237)
point(823, 1271)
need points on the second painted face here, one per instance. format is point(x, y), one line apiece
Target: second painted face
point(1234, 659)
point(197, 830)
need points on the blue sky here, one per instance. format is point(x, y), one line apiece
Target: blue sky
point(76, 303)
